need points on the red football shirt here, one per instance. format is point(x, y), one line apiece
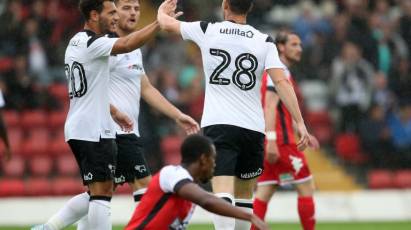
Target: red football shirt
point(284, 120)
point(160, 208)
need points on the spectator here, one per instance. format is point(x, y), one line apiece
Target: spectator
point(351, 80)
point(375, 137)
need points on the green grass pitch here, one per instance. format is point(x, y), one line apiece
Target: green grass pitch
point(293, 226)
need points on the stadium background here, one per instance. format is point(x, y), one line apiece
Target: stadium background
point(355, 80)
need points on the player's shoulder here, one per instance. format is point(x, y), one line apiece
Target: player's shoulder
point(262, 35)
point(174, 171)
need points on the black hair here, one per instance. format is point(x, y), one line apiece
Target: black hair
point(194, 146)
point(86, 6)
point(240, 6)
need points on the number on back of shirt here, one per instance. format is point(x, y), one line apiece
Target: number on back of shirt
point(246, 64)
point(76, 79)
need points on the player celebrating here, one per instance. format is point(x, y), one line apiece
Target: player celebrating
point(167, 203)
point(284, 164)
point(89, 129)
point(126, 86)
point(233, 55)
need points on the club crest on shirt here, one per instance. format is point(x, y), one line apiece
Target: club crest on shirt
point(135, 67)
point(88, 177)
point(140, 168)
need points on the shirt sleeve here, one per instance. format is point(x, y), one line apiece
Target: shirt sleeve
point(272, 60)
point(173, 177)
point(100, 46)
point(193, 31)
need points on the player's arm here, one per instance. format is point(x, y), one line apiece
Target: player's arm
point(211, 203)
point(270, 115)
point(4, 136)
point(155, 99)
point(121, 119)
point(287, 95)
point(167, 22)
point(135, 40)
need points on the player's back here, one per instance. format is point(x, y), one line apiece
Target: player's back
point(234, 58)
point(87, 71)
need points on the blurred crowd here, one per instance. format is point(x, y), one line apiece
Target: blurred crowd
point(356, 59)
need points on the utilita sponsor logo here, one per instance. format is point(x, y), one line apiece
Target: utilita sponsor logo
point(251, 174)
point(247, 34)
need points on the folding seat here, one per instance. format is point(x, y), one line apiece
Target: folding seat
point(37, 187)
point(348, 148)
point(40, 166)
point(67, 165)
point(64, 186)
point(6, 64)
point(402, 179)
point(380, 179)
point(33, 119)
point(59, 91)
point(15, 168)
point(321, 124)
point(16, 139)
point(11, 118)
point(11, 187)
point(56, 119)
point(170, 147)
point(58, 146)
point(36, 143)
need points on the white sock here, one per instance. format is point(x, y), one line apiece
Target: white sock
point(83, 223)
point(222, 222)
point(138, 194)
point(99, 214)
point(246, 205)
point(72, 211)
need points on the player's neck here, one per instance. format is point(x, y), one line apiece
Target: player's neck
point(92, 27)
point(239, 19)
point(192, 169)
point(122, 33)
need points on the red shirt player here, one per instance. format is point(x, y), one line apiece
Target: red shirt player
point(170, 197)
point(284, 163)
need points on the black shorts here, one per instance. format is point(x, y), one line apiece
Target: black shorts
point(131, 163)
point(96, 160)
point(240, 151)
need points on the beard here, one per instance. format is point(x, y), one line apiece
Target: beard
point(105, 26)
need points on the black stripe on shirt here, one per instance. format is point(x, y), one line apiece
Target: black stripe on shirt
point(283, 123)
point(270, 39)
point(181, 183)
point(204, 26)
point(163, 200)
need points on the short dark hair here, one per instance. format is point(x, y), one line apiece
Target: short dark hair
point(86, 6)
point(240, 6)
point(194, 146)
point(283, 36)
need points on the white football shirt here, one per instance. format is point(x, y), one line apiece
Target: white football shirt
point(126, 72)
point(234, 58)
point(87, 71)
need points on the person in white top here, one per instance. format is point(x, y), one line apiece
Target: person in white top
point(3, 132)
point(128, 82)
point(234, 57)
point(89, 129)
